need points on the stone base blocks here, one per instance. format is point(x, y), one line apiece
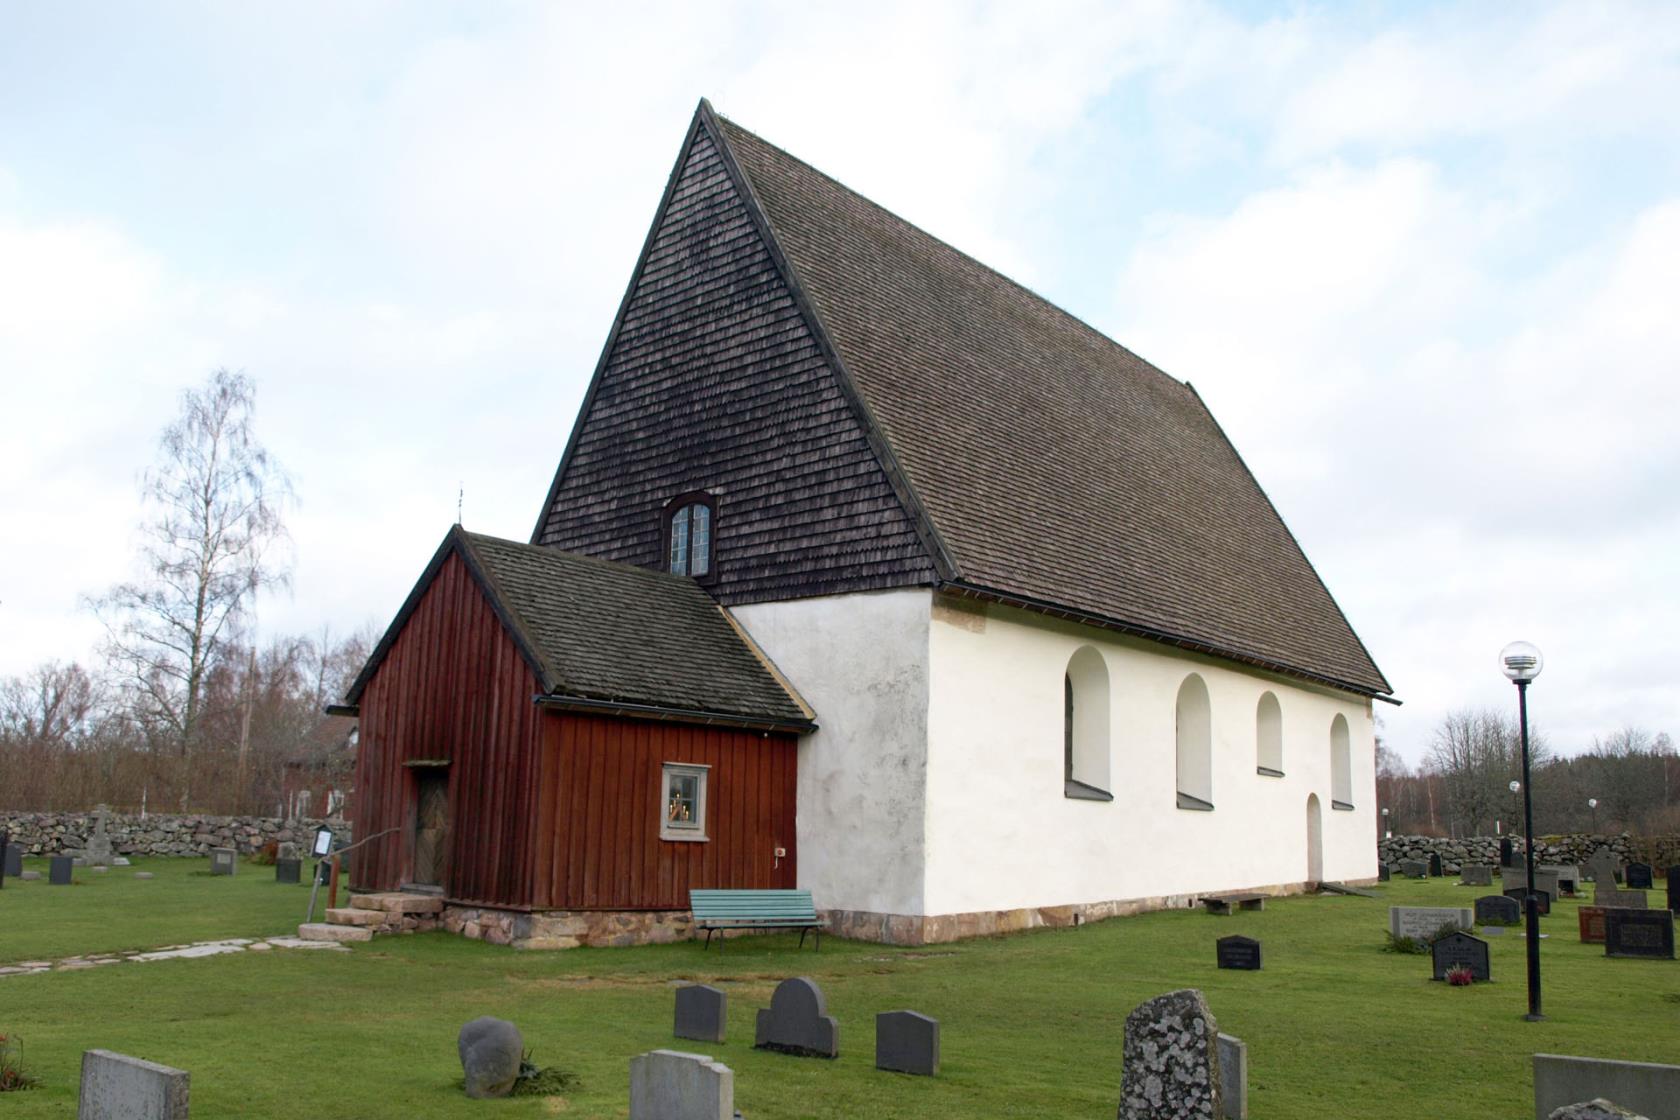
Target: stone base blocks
point(326, 931)
point(1645, 1088)
point(672, 1085)
point(567, 929)
point(368, 914)
point(118, 1087)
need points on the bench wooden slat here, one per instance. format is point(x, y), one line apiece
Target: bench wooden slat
point(754, 909)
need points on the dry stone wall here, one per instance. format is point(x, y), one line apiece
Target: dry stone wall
point(159, 834)
point(1576, 848)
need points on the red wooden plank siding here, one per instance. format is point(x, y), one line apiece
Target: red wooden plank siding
point(604, 783)
point(453, 686)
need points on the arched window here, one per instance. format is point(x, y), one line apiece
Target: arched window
point(1268, 737)
point(1085, 727)
point(689, 533)
point(1195, 745)
point(1341, 765)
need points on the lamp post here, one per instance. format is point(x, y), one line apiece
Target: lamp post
point(1386, 833)
point(1592, 803)
point(1521, 663)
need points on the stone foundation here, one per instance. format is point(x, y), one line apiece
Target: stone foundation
point(568, 929)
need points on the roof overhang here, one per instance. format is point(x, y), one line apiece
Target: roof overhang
point(628, 709)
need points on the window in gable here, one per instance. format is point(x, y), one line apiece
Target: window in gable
point(689, 535)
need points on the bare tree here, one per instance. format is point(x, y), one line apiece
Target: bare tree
point(1478, 753)
point(210, 529)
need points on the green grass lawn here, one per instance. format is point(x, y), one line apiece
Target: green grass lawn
point(1031, 1024)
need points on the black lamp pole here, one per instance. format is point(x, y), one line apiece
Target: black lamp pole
point(1531, 903)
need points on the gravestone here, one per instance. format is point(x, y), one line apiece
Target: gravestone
point(118, 1087)
point(59, 870)
point(1601, 869)
point(1645, 934)
point(672, 1085)
point(1435, 871)
point(1619, 900)
point(1170, 1067)
point(1638, 876)
point(287, 850)
point(1421, 923)
point(1460, 949)
point(288, 870)
point(797, 1021)
point(1647, 1088)
point(99, 853)
point(30, 876)
point(907, 1042)
point(14, 862)
point(1413, 869)
point(1568, 876)
point(491, 1050)
point(1476, 875)
point(223, 861)
point(1674, 888)
point(1498, 910)
point(1543, 901)
point(1547, 881)
point(702, 1013)
point(1383, 872)
point(1591, 922)
point(1507, 852)
point(1238, 952)
point(1233, 1076)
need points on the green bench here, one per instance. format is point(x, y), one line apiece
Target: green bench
point(716, 911)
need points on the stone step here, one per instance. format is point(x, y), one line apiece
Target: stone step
point(353, 916)
point(322, 931)
point(397, 902)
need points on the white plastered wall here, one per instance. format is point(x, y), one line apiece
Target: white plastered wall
point(1001, 834)
point(861, 661)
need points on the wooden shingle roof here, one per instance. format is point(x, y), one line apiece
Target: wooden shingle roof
point(1053, 468)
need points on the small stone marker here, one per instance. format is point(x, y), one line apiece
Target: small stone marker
point(14, 861)
point(1674, 888)
point(702, 1013)
point(1498, 910)
point(907, 1042)
point(491, 1050)
point(29, 876)
point(118, 1087)
point(1647, 934)
point(797, 1021)
point(1601, 868)
point(1238, 952)
point(1171, 1060)
point(1435, 871)
point(1460, 949)
point(1383, 872)
point(288, 870)
point(59, 870)
point(1543, 901)
point(672, 1085)
point(1639, 876)
point(1476, 875)
point(1420, 923)
point(99, 853)
point(1413, 869)
point(223, 861)
point(1507, 852)
point(1591, 921)
point(1611, 898)
point(1233, 1076)
point(144, 875)
point(1598, 1109)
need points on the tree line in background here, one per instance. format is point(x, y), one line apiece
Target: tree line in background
point(1627, 781)
point(186, 709)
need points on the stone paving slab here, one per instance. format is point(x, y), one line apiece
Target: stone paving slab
point(167, 953)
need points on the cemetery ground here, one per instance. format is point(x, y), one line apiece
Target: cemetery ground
point(1031, 1023)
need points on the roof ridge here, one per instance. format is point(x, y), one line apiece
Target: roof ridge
point(969, 257)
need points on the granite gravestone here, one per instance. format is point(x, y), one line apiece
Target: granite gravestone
point(223, 861)
point(671, 1085)
point(1591, 922)
point(1547, 881)
point(702, 1013)
point(907, 1042)
point(288, 870)
point(1507, 852)
point(99, 853)
point(118, 1087)
point(1435, 871)
point(1413, 869)
point(1233, 1076)
point(1170, 1068)
point(1639, 933)
point(1383, 872)
point(1567, 875)
point(1498, 910)
point(1601, 869)
point(14, 861)
point(490, 1050)
point(1460, 949)
point(1674, 888)
point(1543, 901)
point(1639, 877)
point(59, 870)
point(1476, 875)
point(1422, 923)
point(1619, 900)
point(1238, 952)
point(797, 1021)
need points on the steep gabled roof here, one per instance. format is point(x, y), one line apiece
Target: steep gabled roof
point(1053, 468)
point(613, 636)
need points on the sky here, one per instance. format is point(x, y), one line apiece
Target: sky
point(1422, 261)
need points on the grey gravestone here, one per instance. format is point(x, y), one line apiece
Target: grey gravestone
point(797, 1021)
point(1639, 876)
point(1620, 900)
point(1460, 949)
point(14, 861)
point(1507, 852)
point(1420, 923)
point(1645, 1087)
point(1498, 909)
point(30, 876)
point(1238, 952)
point(490, 1051)
point(1476, 875)
point(118, 1087)
point(907, 1042)
point(1413, 869)
point(286, 850)
point(59, 870)
point(1547, 881)
point(1601, 868)
point(1674, 888)
point(671, 1085)
point(1233, 1076)
point(1599, 1109)
point(1542, 900)
point(223, 861)
point(143, 875)
point(1383, 872)
point(1171, 1060)
point(1568, 876)
point(1435, 871)
point(288, 870)
point(99, 852)
point(1639, 933)
point(702, 1013)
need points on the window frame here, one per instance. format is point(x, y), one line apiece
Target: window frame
point(668, 515)
point(696, 832)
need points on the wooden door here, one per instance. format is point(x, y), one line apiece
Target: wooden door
point(431, 826)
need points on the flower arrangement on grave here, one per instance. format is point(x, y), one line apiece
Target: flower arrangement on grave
point(541, 1082)
point(12, 1074)
point(1460, 976)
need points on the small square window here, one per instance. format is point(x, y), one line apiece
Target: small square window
point(682, 802)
